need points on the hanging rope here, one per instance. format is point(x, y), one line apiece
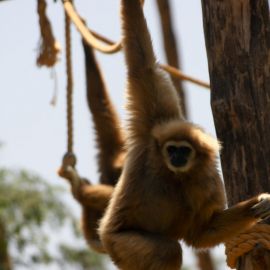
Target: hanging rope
point(172, 70)
point(179, 74)
point(69, 158)
point(97, 41)
point(245, 242)
point(69, 86)
point(49, 47)
point(86, 34)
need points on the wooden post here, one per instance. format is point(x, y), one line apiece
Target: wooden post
point(237, 36)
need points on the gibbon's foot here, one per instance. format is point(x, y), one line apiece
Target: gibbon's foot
point(261, 209)
point(132, 250)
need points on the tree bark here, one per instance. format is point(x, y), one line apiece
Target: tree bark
point(237, 37)
point(5, 263)
point(170, 46)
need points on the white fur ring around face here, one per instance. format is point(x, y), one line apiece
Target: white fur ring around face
point(189, 158)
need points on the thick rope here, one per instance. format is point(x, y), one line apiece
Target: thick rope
point(69, 157)
point(96, 41)
point(179, 74)
point(86, 34)
point(245, 242)
point(172, 70)
point(49, 47)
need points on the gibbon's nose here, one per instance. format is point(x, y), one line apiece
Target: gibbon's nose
point(179, 155)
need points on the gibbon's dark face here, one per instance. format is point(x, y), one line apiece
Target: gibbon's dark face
point(179, 155)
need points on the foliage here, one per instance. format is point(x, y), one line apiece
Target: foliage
point(79, 259)
point(30, 212)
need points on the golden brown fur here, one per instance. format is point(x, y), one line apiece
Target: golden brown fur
point(109, 137)
point(153, 206)
point(94, 198)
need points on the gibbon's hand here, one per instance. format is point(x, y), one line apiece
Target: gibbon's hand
point(71, 175)
point(261, 209)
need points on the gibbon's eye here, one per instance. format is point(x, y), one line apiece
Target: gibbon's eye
point(179, 155)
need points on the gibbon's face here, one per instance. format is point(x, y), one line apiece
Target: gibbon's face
point(184, 146)
point(179, 155)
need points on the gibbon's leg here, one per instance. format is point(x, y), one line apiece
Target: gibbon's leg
point(93, 196)
point(134, 250)
point(228, 223)
point(109, 137)
point(93, 199)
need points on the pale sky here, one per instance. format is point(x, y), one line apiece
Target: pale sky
point(34, 132)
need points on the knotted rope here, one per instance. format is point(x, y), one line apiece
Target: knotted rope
point(92, 40)
point(49, 47)
point(246, 241)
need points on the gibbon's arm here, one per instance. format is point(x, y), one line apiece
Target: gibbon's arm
point(95, 196)
point(137, 41)
point(228, 223)
point(93, 200)
point(109, 137)
point(90, 196)
point(152, 97)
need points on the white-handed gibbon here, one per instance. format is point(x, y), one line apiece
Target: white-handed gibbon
point(109, 137)
point(170, 188)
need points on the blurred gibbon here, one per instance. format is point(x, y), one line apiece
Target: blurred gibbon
point(110, 145)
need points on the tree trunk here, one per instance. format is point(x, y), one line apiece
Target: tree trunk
point(5, 263)
point(237, 37)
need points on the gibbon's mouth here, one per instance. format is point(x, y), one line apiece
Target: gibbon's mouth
point(179, 155)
